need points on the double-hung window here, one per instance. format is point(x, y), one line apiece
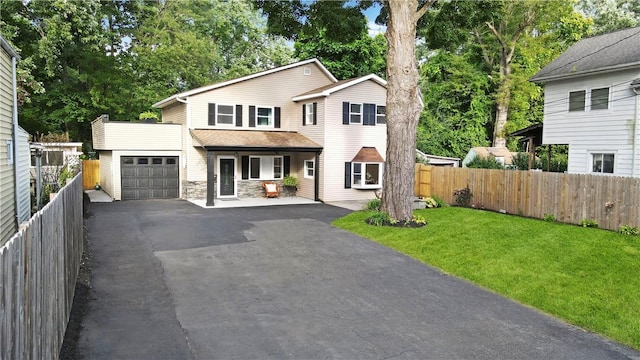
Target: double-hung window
point(264, 116)
point(225, 114)
point(309, 169)
point(355, 113)
point(265, 167)
point(381, 114)
point(308, 114)
point(602, 163)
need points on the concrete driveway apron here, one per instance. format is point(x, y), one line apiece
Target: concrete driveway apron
point(175, 281)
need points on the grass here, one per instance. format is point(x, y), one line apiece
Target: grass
point(589, 277)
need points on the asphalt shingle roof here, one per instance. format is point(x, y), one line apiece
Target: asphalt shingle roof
point(614, 50)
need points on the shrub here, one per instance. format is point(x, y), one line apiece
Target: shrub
point(417, 219)
point(380, 218)
point(463, 196)
point(628, 230)
point(441, 203)
point(588, 223)
point(430, 203)
point(549, 218)
point(290, 181)
point(374, 205)
point(490, 162)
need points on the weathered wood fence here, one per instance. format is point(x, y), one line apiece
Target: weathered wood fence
point(90, 173)
point(611, 201)
point(38, 271)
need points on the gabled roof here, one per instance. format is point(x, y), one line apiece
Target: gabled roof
point(613, 51)
point(176, 97)
point(331, 88)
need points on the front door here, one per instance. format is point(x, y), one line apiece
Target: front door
point(226, 177)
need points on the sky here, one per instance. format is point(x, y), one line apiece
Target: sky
point(371, 14)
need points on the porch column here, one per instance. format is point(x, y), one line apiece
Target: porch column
point(211, 177)
point(316, 178)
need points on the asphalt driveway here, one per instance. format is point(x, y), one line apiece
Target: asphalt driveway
point(175, 281)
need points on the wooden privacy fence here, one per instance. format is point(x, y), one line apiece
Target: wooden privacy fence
point(611, 201)
point(38, 270)
point(90, 173)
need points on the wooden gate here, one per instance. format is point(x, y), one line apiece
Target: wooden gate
point(90, 173)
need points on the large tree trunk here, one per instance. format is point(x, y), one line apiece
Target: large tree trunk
point(502, 105)
point(403, 109)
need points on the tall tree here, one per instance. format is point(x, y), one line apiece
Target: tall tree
point(610, 15)
point(500, 31)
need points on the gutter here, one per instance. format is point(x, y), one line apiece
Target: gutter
point(602, 70)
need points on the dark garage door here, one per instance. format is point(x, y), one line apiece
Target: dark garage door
point(149, 177)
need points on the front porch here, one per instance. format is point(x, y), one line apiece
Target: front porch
point(252, 202)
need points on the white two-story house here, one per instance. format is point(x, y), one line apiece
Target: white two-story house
point(223, 140)
point(591, 103)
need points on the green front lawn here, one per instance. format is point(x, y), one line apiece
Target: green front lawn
point(589, 277)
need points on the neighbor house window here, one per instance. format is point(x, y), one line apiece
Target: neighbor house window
point(602, 163)
point(381, 114)
point(308, 114)
point(366, 175)
point(576, 100)
point(309, 169)
point(264, 116)
point(265, 167)
point(355, 113)
point(600, 99)
point(225, 114)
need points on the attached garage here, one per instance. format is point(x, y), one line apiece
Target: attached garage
point(149, 177)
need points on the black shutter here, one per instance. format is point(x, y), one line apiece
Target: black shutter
point(239, 115)
point(345, 113)
point(212, 114)
point(304, 114)
point(315, 113)
point(369, 114)
point(252, 116)
point(245, 167)
point(277, 117)
point(347, 175)
point(287, 165)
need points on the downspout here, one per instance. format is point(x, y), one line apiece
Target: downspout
point(635, 86)
point(15, 141)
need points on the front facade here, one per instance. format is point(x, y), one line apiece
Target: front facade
point(15, 200)
point(592, 104)
point(296, 120)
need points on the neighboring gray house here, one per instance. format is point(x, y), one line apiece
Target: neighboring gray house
point(591, 103)
point(15, 198)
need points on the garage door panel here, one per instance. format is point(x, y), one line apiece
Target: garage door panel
point(149, 177)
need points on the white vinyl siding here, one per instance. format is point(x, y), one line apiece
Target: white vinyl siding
point(23, 154)
point(7, 182)
point(596, 131)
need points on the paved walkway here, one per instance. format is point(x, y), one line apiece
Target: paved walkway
point(172, 280)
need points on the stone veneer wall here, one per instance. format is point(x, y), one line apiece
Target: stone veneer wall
point(194, 189)
point(246, 189)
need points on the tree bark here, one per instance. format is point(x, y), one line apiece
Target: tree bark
point(502, 104)
point(403, 108)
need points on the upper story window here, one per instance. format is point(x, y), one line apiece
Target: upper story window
point(600, 99)
point(381, 114)
point(355, 113)
point(602, 163)
point(576, 100)
point(309, 114)
point(225, 114)
point(264, 116)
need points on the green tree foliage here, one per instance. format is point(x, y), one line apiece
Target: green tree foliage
point(610, 15)
point(504, 41)
point(80, 59)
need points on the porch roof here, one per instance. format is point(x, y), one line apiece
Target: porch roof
point(252, 140)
